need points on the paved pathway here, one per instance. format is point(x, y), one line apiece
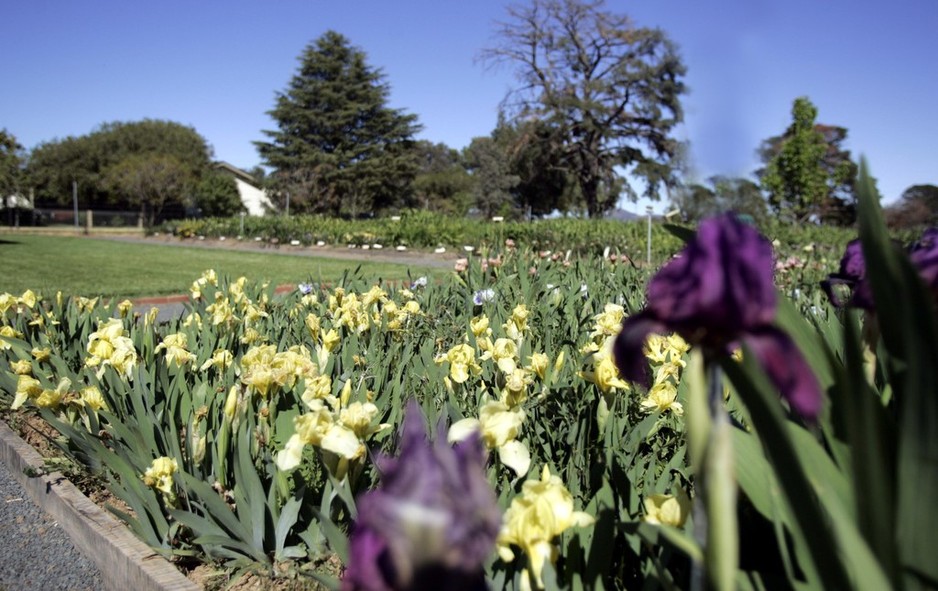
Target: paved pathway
point(35, 553)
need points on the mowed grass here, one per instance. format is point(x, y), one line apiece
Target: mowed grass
point(97, 267)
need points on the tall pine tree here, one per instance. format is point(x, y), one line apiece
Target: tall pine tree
point(339, 149)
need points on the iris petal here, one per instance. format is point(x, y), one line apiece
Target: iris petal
point(787, 368)
point(630, 343)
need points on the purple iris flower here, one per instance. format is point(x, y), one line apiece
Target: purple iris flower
point(851, 274)
point(716, 294)
point(431, 523)
point(924, 257)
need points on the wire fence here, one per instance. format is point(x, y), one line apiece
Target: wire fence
point(87, 219)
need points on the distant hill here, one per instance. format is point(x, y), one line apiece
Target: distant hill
point(621, 215)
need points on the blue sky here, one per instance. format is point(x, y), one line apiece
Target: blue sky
point(216, 66)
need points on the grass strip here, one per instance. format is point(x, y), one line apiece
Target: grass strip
point(96, 267)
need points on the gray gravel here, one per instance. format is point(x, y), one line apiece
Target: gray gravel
point(34, 551)
point(167, 311)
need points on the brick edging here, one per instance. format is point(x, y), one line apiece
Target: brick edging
point(125, 561)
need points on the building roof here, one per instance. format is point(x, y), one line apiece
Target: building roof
point(237, 172)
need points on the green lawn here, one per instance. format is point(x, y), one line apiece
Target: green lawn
point(99, 267)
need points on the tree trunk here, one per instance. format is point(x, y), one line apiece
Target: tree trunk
point(590, 189)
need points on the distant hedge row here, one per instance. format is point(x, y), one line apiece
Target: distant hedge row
point(424, 230)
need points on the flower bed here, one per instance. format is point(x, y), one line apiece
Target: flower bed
point(257, 432)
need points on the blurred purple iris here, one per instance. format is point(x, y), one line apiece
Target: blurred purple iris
point(852, 273)
point(432, 521)
point(718, 293)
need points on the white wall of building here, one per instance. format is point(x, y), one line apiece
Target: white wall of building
point(254, 199)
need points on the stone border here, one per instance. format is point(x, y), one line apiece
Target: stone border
point(125, 561)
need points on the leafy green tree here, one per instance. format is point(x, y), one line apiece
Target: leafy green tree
point(150, 136)
point(536, 156)
point(150, 182)
point(12, 161)
point(53, 166)
point(610, 90)
point(216, 195)
point(927, 195)
point(742, 196)
point(339, 149)
point(492, 177)
point(723, 194)
point(807, 172)
point(442, 183)
point(695, 202)
point(259, 175)
point(917, 206)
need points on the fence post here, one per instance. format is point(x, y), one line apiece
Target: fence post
point(75, 201)
point(89, 221)
point(648, 210)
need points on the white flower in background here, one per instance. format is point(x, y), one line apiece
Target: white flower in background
point(482, 296)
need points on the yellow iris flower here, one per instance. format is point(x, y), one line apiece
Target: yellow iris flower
point(124, 308)
point(479, 326)
point(28, 299)
point(462, 361)
point(670, 510)
point(662, 398)
point(92, 398)
point(341, 433)
point(505, 353)
point(176, 347)
point(538, 363)
point(542, 511)
point(499, 425)
point(23, 367)
point(160, 475)
point(220, 360)
point(609, 321)
point(518, 323)
point(26, 387)
point(109, 345)
point(7, 301)
point(9, 332)
point(53, 398)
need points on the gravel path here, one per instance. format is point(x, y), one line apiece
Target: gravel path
point(34, 552)
point(414, 258)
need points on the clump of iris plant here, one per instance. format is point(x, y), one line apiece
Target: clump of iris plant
point(719, 294)
point(432, 521)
